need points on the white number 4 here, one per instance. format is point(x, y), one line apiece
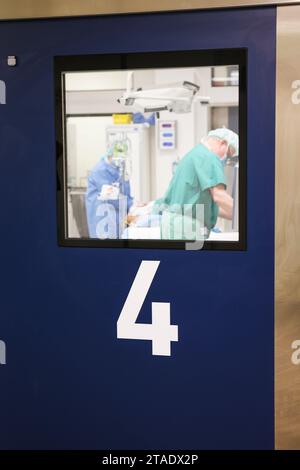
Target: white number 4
point(160, 331)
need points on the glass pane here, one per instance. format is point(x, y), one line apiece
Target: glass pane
point(145, 149)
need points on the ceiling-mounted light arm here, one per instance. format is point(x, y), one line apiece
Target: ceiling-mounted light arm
point(177, 98)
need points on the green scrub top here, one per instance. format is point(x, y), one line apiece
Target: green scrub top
point(199, 170)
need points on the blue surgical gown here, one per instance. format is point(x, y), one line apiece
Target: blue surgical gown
point(104, 216)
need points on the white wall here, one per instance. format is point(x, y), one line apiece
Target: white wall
point(92, 81)
point(106, 80)
point(94, 102)
point(86, 144)
point(98, 92)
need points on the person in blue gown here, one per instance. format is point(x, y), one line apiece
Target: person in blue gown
point(107, 199)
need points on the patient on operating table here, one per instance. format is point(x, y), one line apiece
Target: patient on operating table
point(140, 215)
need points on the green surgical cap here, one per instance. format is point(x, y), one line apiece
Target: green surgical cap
point(226, 134)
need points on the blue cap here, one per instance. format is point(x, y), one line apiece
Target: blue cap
point(110, 150)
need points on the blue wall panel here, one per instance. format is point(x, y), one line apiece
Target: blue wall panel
point(68, 382)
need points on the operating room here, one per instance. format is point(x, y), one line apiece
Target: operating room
point(150, 134)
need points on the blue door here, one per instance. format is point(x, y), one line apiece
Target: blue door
point(68, 382)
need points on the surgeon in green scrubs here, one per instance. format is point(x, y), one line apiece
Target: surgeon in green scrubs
point(199, 181)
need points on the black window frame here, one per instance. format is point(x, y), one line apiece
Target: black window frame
point(147, 60)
